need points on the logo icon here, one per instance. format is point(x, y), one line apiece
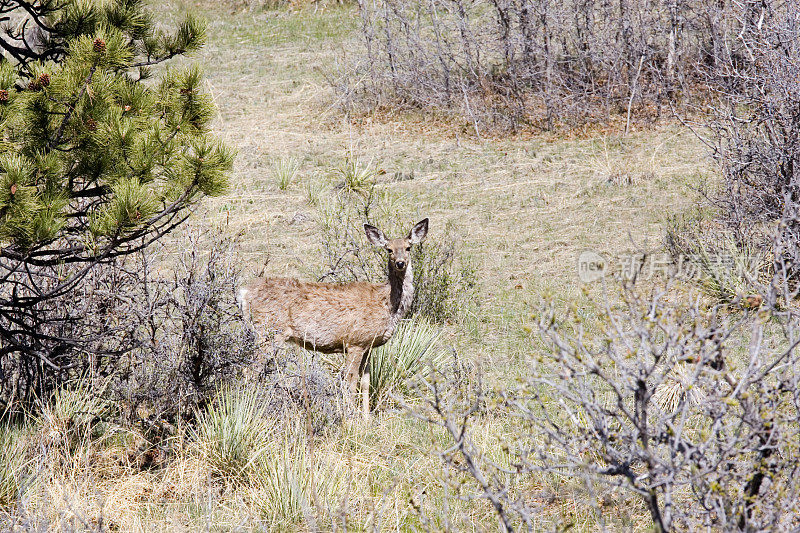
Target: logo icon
point(591, 266)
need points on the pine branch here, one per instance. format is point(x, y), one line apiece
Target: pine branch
point(55, 140)
point(83, 198)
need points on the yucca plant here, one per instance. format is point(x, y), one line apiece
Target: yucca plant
point(724, 267)
point(73, 412)
point(232, 434)
point(408, 356)
point(291, 484)
point(677, 386)
point(725, 273)
point(284, 483)
point(285, 170)
point(356, 175)
point(313, 192)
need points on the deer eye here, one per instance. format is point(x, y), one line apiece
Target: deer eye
point(408, 249)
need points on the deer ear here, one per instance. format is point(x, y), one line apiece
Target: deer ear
point(418, 232)
point(374, 235)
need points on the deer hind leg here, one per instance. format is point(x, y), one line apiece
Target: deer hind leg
point(269, 343)
point(353, 362)
point(280, 339)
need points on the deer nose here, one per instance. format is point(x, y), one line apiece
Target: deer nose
point(401, 265)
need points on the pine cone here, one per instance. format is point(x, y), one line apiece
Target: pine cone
point(91, 124)
point(99, 45)
point(43, 79)
point(3, 95)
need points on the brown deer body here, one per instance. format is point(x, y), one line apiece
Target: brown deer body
point(351, 318)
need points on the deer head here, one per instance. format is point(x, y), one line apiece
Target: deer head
point(399, 249)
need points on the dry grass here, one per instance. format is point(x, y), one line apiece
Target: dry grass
point(359, 477)
point(526, 206)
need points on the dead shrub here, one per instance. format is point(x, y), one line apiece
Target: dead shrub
point(748, 110)
point(190, 337)
point(524, 63)
point(689, 410)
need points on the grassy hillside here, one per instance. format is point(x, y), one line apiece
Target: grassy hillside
point(522, 207)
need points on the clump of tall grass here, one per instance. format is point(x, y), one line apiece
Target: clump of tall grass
point(232, 434)
point(285, 170)
point(408, 357)
point(10, 468)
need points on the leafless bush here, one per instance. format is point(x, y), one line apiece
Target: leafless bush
point(748, 117)
point(70, 334)
point(190, 335)
point(756, 127)
point(295, 384)
point(688, 406)
point(692, 411)
point(162, 329)
point(539, 62)
point(685, 405)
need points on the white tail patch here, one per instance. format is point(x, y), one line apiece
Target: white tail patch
point(241, 298)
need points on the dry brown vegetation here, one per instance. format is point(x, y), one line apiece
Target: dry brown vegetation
point(519, 209)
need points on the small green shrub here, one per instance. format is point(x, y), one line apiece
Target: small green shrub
point(408, 357)
point(232, 434)
point(445, 282)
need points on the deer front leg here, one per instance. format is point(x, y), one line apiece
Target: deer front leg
point(365, 384)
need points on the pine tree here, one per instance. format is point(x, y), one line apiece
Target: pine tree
point(97, 160)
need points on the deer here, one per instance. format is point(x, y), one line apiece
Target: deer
point(350, 318)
